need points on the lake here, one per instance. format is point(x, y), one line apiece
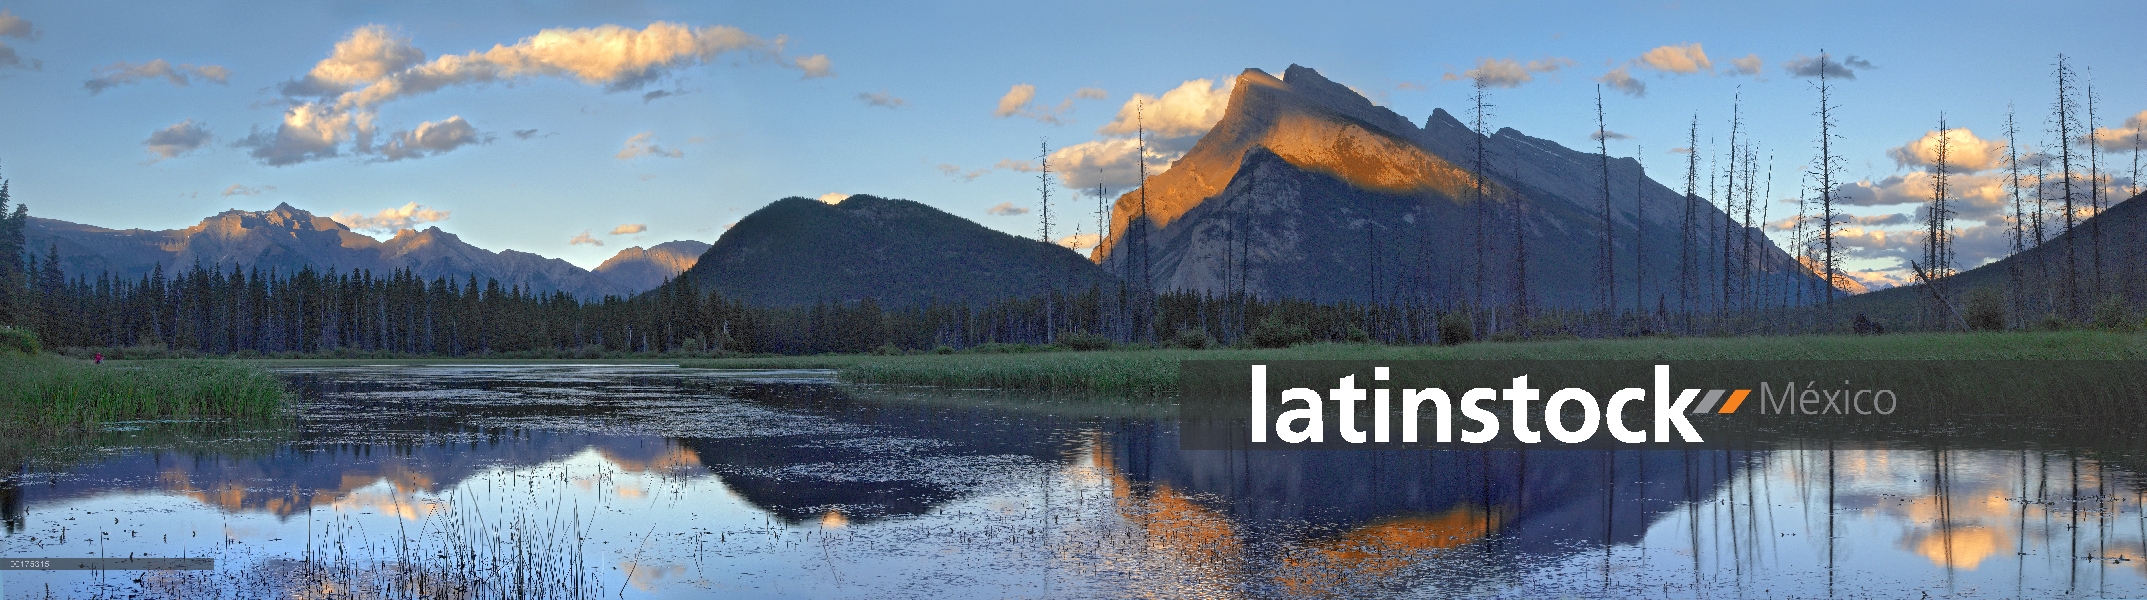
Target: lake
point(644, 481)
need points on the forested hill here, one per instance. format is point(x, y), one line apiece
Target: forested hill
point(2108, 257)
point(799, 251)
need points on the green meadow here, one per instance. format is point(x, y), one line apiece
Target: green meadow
point(1154, 371)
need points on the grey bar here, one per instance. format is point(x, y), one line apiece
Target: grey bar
point(1707, 405)
point(141, 563)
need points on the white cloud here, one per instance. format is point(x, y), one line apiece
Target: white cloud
point(308, 132)
point(1507, 72)
point(583, 239)
point(1621, 79)
point(122, 73)
point(644, 144)
point(1605, 134)
point(1090, 93)
point(374, 66)
point(834, 197)
point(629, 229)
point(1965, 153)
point(2132, 136)
point(407, 216)
point(176, 140)
point(430, 138)
point(371, 53)
point(1749, 65)
point(1185, 111)
point(246, 190)
point(1080, 241)
point(1016, 99)
point(1006, 209)
point(1685, 59)
point(1976, 196)
point(1110, 162)
point(881, 98)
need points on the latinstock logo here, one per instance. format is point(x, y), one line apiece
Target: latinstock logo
point(1522, 404)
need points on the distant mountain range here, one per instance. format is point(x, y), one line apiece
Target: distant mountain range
point(800, 251)
point(287, 239)
point(1334, 197)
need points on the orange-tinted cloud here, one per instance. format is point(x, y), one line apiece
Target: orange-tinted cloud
point(1688, 58)
point(1965, 153)
point(374, 66)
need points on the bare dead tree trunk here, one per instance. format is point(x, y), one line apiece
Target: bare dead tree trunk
point(1827, 160)
point(1687, 260)
point(2064, 111)
point(1145, 313)
point(2016, 287)
point(1605, 272)
point(1937, 256)
point(2094, 195)
point(1640, 237)
point(1483, 209)
point(1748, 293)
point(1729, 211)
point(1043, 218)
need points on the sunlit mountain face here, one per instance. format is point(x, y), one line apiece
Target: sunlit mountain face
point(1305, 189)
point(676, 483)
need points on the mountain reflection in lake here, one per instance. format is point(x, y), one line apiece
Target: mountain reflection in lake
point(642, 481)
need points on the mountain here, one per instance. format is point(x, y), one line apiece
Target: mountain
point(800, 251)
point(639, 269)
point(2119, 231)
point(1334, 197)
point(287, 239)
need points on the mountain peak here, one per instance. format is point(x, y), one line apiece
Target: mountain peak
point(645, 268)
point(1310, 122)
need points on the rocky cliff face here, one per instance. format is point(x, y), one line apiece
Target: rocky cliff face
point(287, 239)
point(1306, 189)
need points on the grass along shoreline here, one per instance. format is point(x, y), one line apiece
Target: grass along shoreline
point(49, 400)
point(1154, 372)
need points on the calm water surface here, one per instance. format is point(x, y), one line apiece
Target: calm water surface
point(655, 482)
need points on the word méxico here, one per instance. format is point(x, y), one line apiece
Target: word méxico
point(1307, 421)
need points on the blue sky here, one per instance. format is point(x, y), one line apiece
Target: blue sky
point(527, 155)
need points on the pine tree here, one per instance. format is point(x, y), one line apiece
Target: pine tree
point(10, 258)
